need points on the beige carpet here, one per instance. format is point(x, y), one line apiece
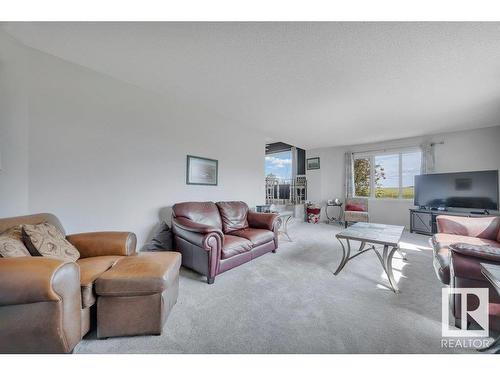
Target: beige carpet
point(290, 302)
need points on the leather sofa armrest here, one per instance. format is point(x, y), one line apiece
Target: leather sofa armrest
point(36, 279)
point(40, 305)
point(486, 252)
point(201, 235)
point(261, 220)
point(94, 244)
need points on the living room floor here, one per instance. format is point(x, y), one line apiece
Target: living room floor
point(290, 302)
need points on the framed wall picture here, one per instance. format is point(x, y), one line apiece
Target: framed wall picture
point(312, 163)
point(201, 171)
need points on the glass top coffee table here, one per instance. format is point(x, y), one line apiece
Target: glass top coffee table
point(371, 234)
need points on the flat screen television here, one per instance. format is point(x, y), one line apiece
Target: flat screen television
point(476, 190)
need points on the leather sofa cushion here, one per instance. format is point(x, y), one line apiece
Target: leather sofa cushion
point(234, 215)
point(45, 239)
point(255, 236)
point(482, 227)
point(205, 213)
point(234, 245)
point(142, 274)
point(11, 244)
point(90, 270)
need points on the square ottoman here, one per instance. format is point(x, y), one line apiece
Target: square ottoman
point(136, 296)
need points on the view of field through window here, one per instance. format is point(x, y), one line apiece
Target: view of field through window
point(387, 175)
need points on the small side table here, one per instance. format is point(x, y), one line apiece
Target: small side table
point(284, 218)
point(492, 273)
point(334, 219)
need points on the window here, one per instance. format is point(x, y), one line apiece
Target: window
point(389, 175)
point(410, 167)
point(386, 176)
point(279, 165)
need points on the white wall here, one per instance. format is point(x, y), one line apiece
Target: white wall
point(13, 129)
point(462, 151)
point(107, 155)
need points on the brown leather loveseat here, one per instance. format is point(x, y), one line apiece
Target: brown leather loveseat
point(215, 237)
point(460, 245)
point(45, 303)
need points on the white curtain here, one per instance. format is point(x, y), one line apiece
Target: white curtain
point(349, 162)
point(428, 158)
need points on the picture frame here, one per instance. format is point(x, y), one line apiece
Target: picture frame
point(201, 171)
point(313, 163)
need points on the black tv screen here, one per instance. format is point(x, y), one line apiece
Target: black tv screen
point(477, 190)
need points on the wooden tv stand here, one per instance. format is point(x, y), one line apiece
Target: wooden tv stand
point(423, 221)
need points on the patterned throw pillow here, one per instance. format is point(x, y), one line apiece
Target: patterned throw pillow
point(11, 244)
point(46, 240)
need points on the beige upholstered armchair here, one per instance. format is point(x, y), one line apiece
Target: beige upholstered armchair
point(361, 212)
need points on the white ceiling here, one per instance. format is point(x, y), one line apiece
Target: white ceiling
point(308, 84)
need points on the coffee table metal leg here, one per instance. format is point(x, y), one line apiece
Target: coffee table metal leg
point(279, 223)
point(285, 228)
point(346, 252)
point(387, 257)
point(362, 246)
point(380, 258)
point(282, 223)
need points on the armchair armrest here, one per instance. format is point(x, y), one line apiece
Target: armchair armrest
point(196, 233)
point(103, 243)
point(486, 252)
point(40, 305)
point(35, 279)
point(262, 220)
